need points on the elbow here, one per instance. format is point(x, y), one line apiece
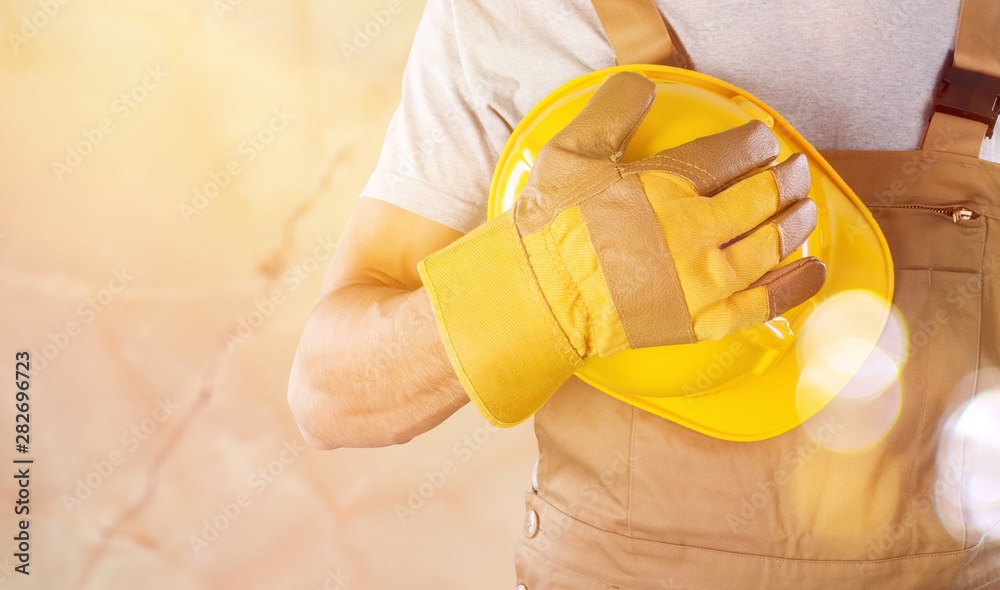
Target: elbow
point(327, 423)
point(310, 408)
point(324, 428)
point(315, 441)
point(302, 402)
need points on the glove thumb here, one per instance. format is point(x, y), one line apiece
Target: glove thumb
point(609, 120)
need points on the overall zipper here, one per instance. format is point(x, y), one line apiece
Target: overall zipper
point(956, 213)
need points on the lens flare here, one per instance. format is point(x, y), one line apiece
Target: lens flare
point(864, 411)
point(856, 316)
point(847, 360)
point(967, 491)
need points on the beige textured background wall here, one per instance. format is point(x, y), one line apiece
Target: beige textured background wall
point(166, 166)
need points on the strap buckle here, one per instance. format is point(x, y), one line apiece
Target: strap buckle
point(970, 95)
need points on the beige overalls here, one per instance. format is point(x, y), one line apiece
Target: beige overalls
point(626, 499)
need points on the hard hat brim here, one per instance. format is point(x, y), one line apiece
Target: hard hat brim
point(758, 383)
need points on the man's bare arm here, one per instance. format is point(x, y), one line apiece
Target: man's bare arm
point(370, 369)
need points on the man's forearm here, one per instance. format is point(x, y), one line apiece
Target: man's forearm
point(371, 369)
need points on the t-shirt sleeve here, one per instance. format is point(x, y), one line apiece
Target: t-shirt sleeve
point(441, 147)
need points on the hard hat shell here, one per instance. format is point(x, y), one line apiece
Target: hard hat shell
point(761, 382)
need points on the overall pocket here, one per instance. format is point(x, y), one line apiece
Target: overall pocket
point(938, 255)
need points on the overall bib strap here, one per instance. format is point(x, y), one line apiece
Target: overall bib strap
point(968, 100)
point(639, 34)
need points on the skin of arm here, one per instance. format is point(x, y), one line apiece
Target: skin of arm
point(370, 369)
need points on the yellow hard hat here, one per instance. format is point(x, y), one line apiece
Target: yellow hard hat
point(765, 380)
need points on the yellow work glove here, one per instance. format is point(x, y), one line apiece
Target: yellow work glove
point(598, 255)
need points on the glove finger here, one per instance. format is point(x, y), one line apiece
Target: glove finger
point(748, 203)
point(609, 120)
point(775, 293)
point(709, 163)
point(752, 255)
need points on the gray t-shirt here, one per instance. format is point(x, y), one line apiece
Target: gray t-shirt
point(848, 74)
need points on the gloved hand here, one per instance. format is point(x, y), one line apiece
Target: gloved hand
point(597, 255)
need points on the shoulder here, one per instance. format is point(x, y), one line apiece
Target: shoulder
point(515, 52)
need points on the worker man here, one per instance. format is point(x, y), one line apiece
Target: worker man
point(503, 312)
